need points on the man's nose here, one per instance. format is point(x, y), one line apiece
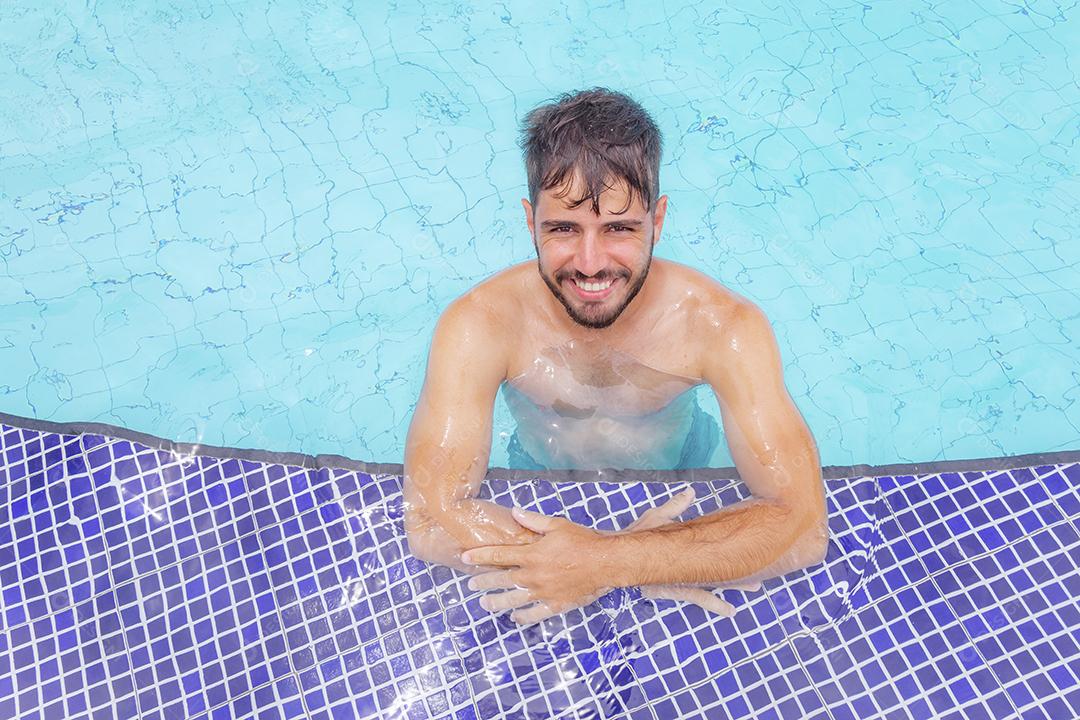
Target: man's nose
point(591, 256)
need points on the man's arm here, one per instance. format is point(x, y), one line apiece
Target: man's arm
point(784, 527)
point(449, 440)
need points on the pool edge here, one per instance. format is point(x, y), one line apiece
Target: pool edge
point(329, 460)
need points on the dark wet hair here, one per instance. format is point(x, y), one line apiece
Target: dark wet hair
point(604, 134)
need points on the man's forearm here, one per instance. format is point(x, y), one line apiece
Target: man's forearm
point(753, 540)
point(474, 522)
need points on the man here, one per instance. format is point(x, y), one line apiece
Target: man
point(598, 350)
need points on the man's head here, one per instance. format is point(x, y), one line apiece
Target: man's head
point(602, 146)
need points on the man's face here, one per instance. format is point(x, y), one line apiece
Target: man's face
point(576, 247)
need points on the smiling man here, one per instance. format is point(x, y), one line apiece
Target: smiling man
point(597, 347)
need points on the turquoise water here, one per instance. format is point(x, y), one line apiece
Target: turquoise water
point(236, 224)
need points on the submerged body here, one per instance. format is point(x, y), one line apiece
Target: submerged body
point(679, 435)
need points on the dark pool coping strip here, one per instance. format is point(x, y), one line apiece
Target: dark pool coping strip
point(829, 472)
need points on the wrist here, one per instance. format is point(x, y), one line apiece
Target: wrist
point(615, 558)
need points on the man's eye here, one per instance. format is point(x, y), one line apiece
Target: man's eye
point(567, 228)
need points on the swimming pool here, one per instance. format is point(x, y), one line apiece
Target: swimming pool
point(232, 226)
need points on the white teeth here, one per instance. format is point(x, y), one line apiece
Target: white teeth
point(594, 287)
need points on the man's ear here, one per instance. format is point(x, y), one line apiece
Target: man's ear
point(528, 214)
point(658, 218)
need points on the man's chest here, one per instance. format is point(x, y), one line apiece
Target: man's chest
point(581, 380)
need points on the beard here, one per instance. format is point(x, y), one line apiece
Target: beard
point(596, 314)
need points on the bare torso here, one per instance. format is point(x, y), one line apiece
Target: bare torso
point(618, 397)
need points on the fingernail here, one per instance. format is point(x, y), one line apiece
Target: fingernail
point(466, 558)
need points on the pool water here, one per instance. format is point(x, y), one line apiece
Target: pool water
point(273, 204)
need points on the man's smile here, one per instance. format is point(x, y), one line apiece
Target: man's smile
point(593, 290)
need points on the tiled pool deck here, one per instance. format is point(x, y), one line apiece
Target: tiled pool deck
point(143, 579)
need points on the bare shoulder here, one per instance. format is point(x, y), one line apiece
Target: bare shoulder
point(710, 305)
point(717, 316)
point(487, 311)
point(497, 300)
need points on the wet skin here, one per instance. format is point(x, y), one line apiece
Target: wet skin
point(603, 382)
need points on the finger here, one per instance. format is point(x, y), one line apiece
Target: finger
point(702, 598)
point(535, 521)
point(745, 587)
point(492, 581)
point(730, 585)
point(506, 600)
point(663, 514)
point(498, 555)
point(476, 569)
point(535, 614)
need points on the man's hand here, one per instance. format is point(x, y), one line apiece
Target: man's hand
point(560, 571)
point(573, 540)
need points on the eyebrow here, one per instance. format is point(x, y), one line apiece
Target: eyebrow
point(556, 223)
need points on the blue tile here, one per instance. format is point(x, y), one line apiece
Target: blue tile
point(210, 598)
point(95, 677)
